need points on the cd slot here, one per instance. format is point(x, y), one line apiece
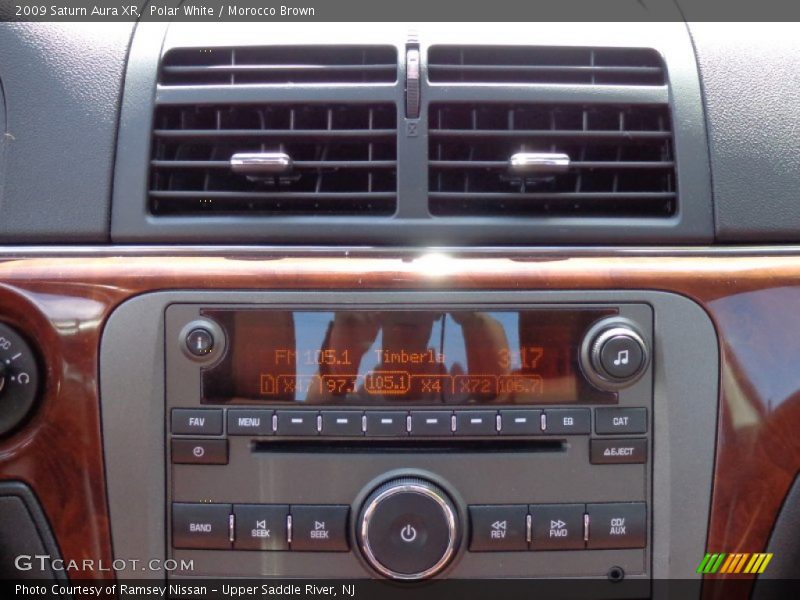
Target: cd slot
point(406, 446)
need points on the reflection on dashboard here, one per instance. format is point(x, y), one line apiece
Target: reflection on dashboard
point(371, 357)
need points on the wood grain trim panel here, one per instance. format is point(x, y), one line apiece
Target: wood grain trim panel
point(62, 303)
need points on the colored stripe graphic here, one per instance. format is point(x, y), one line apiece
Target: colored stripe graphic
point(767, 558)
point(734, 564)
point(702, 567)
point(725, 568)
point(715, 567)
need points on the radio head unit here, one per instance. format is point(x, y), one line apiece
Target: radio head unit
point(350, 357)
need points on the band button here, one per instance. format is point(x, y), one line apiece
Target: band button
point(205, 526)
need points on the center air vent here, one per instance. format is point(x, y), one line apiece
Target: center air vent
point(551, 160)
point(279, 65)
point(274, 159)
point(540, 64)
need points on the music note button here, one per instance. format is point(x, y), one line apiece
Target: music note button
point(622, 356)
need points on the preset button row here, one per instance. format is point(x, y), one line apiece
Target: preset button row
point(423, 423)
point(309, 528)
point(502, 528)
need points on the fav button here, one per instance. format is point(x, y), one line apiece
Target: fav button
point(190, 421)
point(319, 528)
point(498, 528)
point(621, 525)
point(557, 526)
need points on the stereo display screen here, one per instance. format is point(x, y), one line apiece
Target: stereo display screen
point(395, 357)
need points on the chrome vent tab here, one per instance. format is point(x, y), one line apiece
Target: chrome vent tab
point(545, 64)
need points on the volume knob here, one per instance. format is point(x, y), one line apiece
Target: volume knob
point(408, 529)
point(614, 355)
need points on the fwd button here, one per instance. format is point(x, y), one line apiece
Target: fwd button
point(557, 526)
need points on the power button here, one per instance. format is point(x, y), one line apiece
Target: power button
point(407, 529)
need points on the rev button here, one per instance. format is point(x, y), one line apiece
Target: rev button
point(498, 528)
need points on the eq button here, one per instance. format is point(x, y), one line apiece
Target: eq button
point(567, 421)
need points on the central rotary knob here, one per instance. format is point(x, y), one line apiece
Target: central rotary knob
point(408, 529)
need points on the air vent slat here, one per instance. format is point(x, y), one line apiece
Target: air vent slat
point(617, 136)
point(298, 164)
point(279, 65)
point(499, 164)
point(274, 159)
point(545, 65)
point(310, 134)
point(565, 160)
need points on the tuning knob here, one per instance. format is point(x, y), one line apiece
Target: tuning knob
point(614, 355)
point(408, 529)
point(19, 379)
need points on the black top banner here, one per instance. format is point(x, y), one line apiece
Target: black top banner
point(398, 10)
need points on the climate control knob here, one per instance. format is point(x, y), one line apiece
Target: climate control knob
point(614, 354)
point(19, 379)
point(408, 529)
